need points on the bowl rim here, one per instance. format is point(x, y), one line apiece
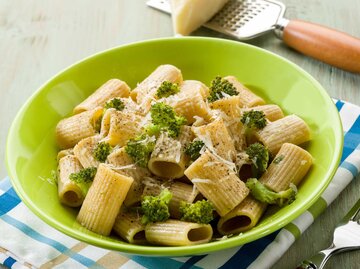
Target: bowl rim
point(180, 250)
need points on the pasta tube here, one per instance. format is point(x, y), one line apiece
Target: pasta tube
point(84, 151)
point(69, 193)
point(129, 227)
point(191, 107)
point(242, 218)
point(118, 127)
point(178, 233)
point(111, 89)
point(168, 158)
point(181, 192)
point(290, 129)
point(189, 87)
point(153, 186)
point(122, 163)
point(231, 113)
point(63, 153)
point(272, 112)
point(190, 101)
point(247, 97)
point(145, 92)
point(290, 165)
point(71, 130)
point(217, 138)
point(103, 201)
point(217, 181)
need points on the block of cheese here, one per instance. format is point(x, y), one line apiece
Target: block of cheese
point(188, 15)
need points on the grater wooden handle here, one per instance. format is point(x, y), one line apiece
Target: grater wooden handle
point(325, 44)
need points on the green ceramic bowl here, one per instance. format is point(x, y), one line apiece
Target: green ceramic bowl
point(31, 147)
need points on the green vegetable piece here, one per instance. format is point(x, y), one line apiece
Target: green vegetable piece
point(193, 149)
point(155, 208)
point(199, 212)
point(84, 175)
point(259, 157)
point(54, 176)
point(152, 129)
point(116, 103)
point(84, 178)
point(264, 194)
point(219, 88)
point(101, 151)
point(278, 159)
point(166, 89)
point(166, 119)
point(140, 148)
point(254, 119)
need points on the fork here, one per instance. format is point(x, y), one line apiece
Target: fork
point(346, 238)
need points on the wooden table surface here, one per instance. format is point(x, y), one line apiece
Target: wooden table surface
point(38, 38)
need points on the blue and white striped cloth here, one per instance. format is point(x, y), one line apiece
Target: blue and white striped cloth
point(27, 242)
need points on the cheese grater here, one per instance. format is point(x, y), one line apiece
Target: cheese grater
point(242, 19)
point(246, 19)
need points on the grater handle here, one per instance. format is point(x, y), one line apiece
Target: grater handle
point(325, 44)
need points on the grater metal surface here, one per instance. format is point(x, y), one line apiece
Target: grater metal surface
point(242, 19)
point(246, 19)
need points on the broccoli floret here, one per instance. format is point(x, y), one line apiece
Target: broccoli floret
point(152, 129)
point(84, 178)
point(101, 151)
point(199, 212)
point(193, 149)
point(264, 194)
point(84, 175)
point(219, 88)
point(165, 118)
point(116, 103)
point(166, 89)
point(155, 208)
point(259, 157)
point(140, 148)
point(254, 120)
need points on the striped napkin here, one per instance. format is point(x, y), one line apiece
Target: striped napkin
point(27, 242)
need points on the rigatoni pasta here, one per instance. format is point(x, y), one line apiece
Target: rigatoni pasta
point(178, 233)
point(290, 129)
point(111, 89)
point(129, 227)
point(272, 112)
point(83, 151)
point(118, 126)
point(121, 162)
point(217, 181)
point(69, 192)
point(216, 136)
point(145, 92)
point(158, 163)
point(104, 199)
point(168, 158)
point(247, 97)
point(190, 102)
point(231, 112)
point(71, 130)
point(243, 217)
point(289, 166)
